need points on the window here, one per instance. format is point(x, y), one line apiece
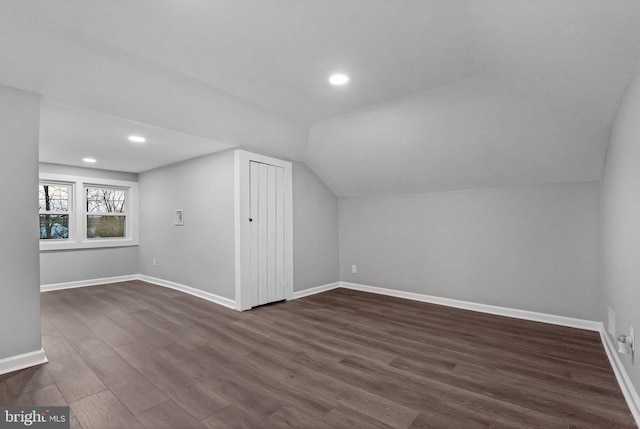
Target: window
point(80, 212)
point(54, 200)
point(106, 215)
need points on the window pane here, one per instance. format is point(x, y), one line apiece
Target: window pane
point(54, 227)
point(105, 226)
point(53, 198)
point(105, 200)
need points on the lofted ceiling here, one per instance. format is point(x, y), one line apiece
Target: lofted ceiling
point(444, 94)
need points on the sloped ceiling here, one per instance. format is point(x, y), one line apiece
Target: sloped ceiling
point(444, 94)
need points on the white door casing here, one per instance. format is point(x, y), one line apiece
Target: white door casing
point(266, 217)
point(264, 270)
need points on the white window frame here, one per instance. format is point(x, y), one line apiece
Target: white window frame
point(69, 212)
point(78, 226)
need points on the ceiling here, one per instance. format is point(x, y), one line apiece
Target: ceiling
point(69, 134)
point(444, 94)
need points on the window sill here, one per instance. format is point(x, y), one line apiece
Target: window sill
point(87, 244)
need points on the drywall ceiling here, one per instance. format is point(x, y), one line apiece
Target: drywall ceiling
point(554, 72)
point(69, 134)
point(443, 94)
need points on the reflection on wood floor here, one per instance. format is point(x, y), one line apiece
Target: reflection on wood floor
point(134, 355)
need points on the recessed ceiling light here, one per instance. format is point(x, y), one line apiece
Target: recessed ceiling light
point(137, 139)
point(89, 160)
point(338, 79)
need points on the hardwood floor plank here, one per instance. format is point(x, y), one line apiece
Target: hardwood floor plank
point(132, 354)
point(338, 341)
point(224, 382)
point(118, 298)
point(26, 380)
point(139, 354)
point(436, 399)
point(140, 331)
point(108, 330)
point(605, 379)
point(447, 350)
point(343, 417)
point(106, 363)
point(168, 415)
point(103, 411)
point(292, 417)
point(138, 394)
point(45, 396)
point(75, 379)
point(186, 392)
point(232, 417)
point(74, 423)
point(249, 371)
point(124, 381)
point(424, 421)
point(354, 397)
point(570, 393)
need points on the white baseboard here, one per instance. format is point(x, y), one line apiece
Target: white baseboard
point(628, 390)
point(631, 395)
point(25, 360)
point(483, 308)
point(85, 283)
point(159, 282)
point(315, 290)
point(230, 303)
point(589, 325)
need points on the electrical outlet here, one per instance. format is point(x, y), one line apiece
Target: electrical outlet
point(632, 334)
point(154, 261)
point(611, 325)
point(354, 269)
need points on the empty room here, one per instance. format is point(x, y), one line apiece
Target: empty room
point(319, 214)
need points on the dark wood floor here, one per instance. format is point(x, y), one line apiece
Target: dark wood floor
point(133, 355)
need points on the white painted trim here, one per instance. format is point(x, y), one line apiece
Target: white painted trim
point(78, 216)
point(242, 161)
point(25, 360)
point(315, 290)
point(238, 231)
point(91, 282)
point(483, 308)
point(628, 390)
point(159, 282)
point(226, 302)
point(553, 319)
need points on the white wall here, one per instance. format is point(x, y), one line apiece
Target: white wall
point(621, 222)
point(199, 254)
point(19, 266)
point(61, 266)
point(531, 248)
point(315, 230)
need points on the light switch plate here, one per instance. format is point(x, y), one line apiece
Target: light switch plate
point(179, 217)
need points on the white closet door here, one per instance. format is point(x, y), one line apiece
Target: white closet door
point(267, 233)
